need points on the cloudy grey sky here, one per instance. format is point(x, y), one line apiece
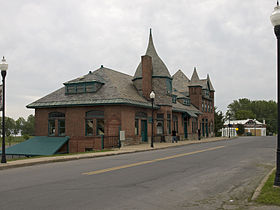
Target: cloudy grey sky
point(50, 42)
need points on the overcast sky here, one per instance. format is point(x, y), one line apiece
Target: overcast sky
point(50, 42)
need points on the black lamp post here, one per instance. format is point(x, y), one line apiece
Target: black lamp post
point(275, 20)
point(152, 97)
point(229, 126)
point(3, 68)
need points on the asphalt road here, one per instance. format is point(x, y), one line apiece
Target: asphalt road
point(217, 175)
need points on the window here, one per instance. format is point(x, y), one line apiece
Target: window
point(194, 125)
point(100, 127)
point(90, 88)
point(89, 128)
point(168, 123)
point(59, 118)
point(169, 86)
point(95, 123)
point(175, 123)
point(187, 102)
point(82, 87)
point(51, 127)
point(174, 98)
point(61, 127)
point(160, 127)
point(160, 123)
point(71, 89)
point(138, 117)
point(136, 127)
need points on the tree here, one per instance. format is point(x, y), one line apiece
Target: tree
point(28, 126)
point(20, 122)
point(244, 114)
point(219, 122)
point(9, 126)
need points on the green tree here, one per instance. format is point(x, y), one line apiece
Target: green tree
point(244, 114)
point(28, 126)
point(219, 122)
point(19, 124)
point(9, 126)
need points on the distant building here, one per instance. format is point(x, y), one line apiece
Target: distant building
point(99, 104)
point(251, 127)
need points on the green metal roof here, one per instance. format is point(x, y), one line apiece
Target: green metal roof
point(38, 145)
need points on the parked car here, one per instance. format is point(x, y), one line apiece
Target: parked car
point(248, 134)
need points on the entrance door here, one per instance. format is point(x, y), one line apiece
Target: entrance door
point(144, 130)
point(185, 129)
point(203, 134)
point(206, 127)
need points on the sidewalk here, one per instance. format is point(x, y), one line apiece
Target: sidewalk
point(122, 150)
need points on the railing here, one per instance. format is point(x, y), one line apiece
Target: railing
point(111, 141)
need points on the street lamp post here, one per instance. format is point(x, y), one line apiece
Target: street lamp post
point(3, 68)
point(152, 97)
point(275, 20)
point(229, 126)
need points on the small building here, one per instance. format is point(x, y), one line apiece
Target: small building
point(251, 127)
point(92, 109)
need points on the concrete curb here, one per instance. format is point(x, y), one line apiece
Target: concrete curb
point(259, 188)
point(45, 160)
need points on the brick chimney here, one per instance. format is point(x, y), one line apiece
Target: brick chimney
point(147, 72)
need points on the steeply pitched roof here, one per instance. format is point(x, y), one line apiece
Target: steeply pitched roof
point(210, 84)
point(159, 68)
point(180, 82)
point(195, 76)
point(117, 89)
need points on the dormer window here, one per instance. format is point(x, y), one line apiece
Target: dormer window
point(187, 102)
point(82, 87)
point(174, 99)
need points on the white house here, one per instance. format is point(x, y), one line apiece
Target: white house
point(251, 126)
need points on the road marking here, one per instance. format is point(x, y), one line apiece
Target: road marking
point(148, 161)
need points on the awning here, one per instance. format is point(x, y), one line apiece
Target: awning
point(191, 113)
point(37, 146)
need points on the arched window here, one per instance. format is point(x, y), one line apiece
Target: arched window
point(160, 124)
point(175, 123)
point(59, 118)
point(160, 127)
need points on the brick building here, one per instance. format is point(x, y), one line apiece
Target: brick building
point(103, 102)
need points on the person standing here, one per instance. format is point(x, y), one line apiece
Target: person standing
point(174, 137)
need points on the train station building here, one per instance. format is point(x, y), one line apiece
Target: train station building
point(92, 110)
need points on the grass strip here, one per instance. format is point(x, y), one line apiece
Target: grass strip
point(269, 195)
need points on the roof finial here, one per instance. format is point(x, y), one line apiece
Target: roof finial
point(150, 31)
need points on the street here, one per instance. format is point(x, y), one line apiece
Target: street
point(213, 175)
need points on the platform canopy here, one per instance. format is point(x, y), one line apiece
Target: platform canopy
point(38, 146)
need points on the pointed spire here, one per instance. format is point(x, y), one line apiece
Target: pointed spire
point(151, 48)
point(210, 84)
point(195, 76)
